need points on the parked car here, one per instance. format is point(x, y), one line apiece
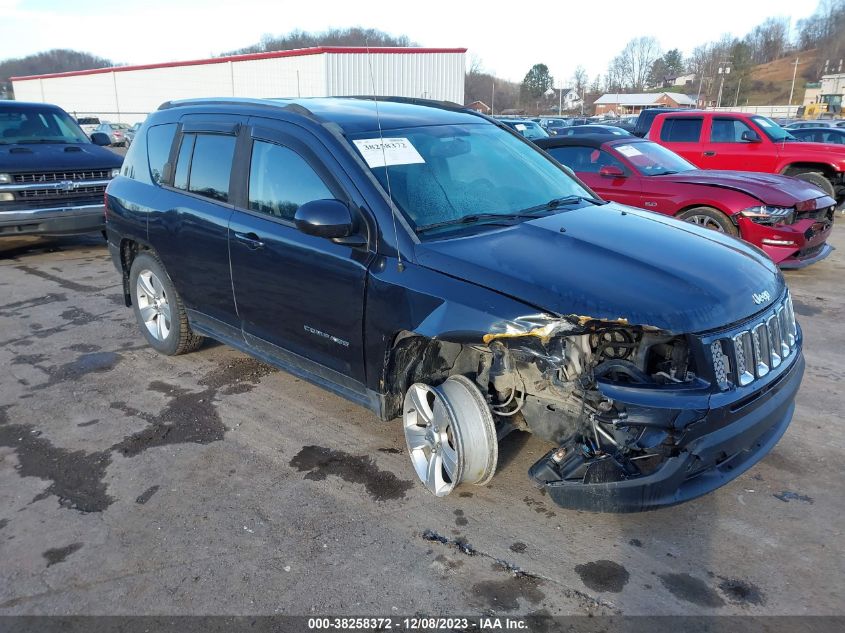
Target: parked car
point(528, 128)
point(646, 117)
point(627, 123)
point(788, 218)
point(52, 176)
point(800, 125)
point(427, 264)
point(750, 142)
point(554, 125)
point(834, 135)
point(593, 128)
point(88, 124)
point(115, 131)
point(129, 134)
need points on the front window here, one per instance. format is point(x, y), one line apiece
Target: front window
point(38, 125)
point(651, 159)
point(771, 129)
point(449, 173)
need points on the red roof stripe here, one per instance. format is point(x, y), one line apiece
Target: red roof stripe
point(317, 50)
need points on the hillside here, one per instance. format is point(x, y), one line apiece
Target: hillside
point(769, 84)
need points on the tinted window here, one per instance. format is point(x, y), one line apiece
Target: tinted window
point(584, 159)
point(159, 140)
point(211, 166)
point(183, 162)
point(681, 130)
point(280, 181)
point(728, 131)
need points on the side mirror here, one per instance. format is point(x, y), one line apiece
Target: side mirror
point(98, 138)
point(750, 136)
point(331, 219)
point(612, 171)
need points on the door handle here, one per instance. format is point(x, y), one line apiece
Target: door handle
point(250, 239)
point(709, 153)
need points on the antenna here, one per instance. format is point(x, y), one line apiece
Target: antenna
point(399, 265)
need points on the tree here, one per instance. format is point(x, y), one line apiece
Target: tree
point(355, 36)
point(536, 82)
point(674, 63)
point(579, 81)
point(632, 67)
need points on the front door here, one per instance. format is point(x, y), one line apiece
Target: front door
point(296, 292)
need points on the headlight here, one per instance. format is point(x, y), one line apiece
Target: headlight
point(5, 179)
point(769, 215)
point(7, 197)
point(115, 173)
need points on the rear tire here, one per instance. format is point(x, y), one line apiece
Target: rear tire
point(709, 218)
point(817, 179)
point(158, 308)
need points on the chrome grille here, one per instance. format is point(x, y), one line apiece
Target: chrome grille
point(59, 176)
point(60, 193)
point(745, 356)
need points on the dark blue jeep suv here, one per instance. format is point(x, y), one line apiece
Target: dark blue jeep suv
point(428, 263)
point(52, 176)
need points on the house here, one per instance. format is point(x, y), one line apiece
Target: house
point(479, 106)
point(682, 80)
point(620, 103)
point(570, 99)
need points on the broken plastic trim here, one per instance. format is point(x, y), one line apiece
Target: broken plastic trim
point(546, 327)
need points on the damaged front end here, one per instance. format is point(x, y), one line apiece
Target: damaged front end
point(642, 418)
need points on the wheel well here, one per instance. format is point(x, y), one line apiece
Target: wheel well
point(129, 250)
point(797, 168)
point(730, 216)
point(414, 358)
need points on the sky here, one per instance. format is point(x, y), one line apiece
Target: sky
point(506, 38)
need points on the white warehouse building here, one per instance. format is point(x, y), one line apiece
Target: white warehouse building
point(128, 93)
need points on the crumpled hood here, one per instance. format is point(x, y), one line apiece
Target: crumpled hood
point(615, 262)
point(771, 189)
point(39, 157)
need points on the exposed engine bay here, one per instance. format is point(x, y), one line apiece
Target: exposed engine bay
point(551, 386)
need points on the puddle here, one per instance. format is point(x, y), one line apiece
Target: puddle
point(603, 575)
point(691, 589)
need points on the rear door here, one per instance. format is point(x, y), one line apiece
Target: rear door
point(295, 293)
point(190, 232)
point(683, 135)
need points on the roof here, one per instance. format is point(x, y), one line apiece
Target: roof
point(642, 98)
point(11, 104)
point(355, 114)
point(588, 140)
point(298, 52)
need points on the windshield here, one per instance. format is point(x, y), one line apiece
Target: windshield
point(771, 129)
point(446, 173)
point(651, 159)
point(38, 125)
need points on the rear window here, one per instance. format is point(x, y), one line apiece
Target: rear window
point(159, 140)
point(205, 164)
point(681, 129)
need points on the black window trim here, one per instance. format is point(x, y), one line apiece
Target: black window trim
point(181, 133)
point(682, 118)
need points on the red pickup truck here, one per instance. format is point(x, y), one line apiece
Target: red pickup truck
point(749, 142)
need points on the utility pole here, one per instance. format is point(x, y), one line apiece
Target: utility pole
point(738, 84)
point(493, 97)
point(724, 69)
point(794, 72)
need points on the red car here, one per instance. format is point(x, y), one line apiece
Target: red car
point(788, 218)
point(749, 142)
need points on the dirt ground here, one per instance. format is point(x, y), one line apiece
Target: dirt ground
point(132, 483)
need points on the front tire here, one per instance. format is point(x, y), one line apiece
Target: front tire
point(817, 179)
point(709, 218)
point(158, 308)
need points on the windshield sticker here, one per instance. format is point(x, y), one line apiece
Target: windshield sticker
point(388, 151)
point(763, 122)
point(520, 127)
point(628, 150)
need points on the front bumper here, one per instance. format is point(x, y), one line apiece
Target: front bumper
point(719, 447)
point(61, 220)
point(792, 245)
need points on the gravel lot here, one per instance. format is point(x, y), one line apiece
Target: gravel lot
point(132, 483)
